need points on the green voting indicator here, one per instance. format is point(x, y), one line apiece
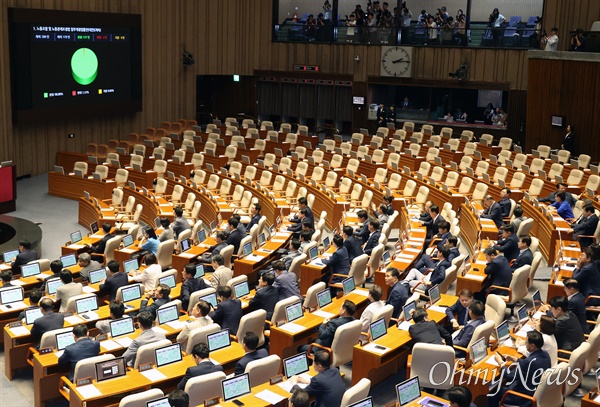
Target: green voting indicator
point(84, 66)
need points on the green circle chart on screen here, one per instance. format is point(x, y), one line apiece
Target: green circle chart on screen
point(84, 66)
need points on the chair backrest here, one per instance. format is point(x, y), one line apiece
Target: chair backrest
point(505, 143)
point(487, 138)
point(465, 185)
point(584, 160)
point(87, 367)
point(525, 227)
point(518, 284)
point(494, 309)
point(452, 179)
point(204, 387)
point(575, 177)
point(480, 191)
point(310, 301)
point(145, 353)
point(140, 399)
point(577, 364)
point(71, 301)
point(254, 322)
point(593, 182)
point(465, 163)
point(48, 339)
point(517, 180)
point(198, 335)
point(346, 336)
point(164, 253)
point(260, 371)
point(44, 264)
point(482, 331)
point(425, 357)
point(451, 275)
point(544, 151)
point(384, 312)
point(549, 392)
point(359, 265)
point(356, 393)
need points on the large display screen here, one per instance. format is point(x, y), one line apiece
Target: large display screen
point(68, 64)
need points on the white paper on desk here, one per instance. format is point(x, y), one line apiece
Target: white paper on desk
point(437, 308)
point(244, 303)
point(269, 397)
point(17, 282)
point(88, 289)
point(254, 257)
point(177, 324)
point(323, 314)
point(537, 315)
point(13, 306)
point(124, 342)
point(154, 375)
point(19, 331)
point(568, 268)
point(524, 329)
point(59, 353)
point(509, 343)
point(126, 250)
point(597, 399)
point(188, 255)
point(74, 320)
point(317, 262)
point(364, 293)
point(287, 385)
point(404, 326)
point(372, 347)
point(559, 282)
point(492, 361)
point(109, 345)
point(106, 210)
point(474, 277)
point(96, 236)
point(158, 329)
point(292, 328)
point(282, 235)
point(410, 249)
point(206, 246)
point(92, 316)
point(89, 391)
point(405, 256)
point(77, 246)
point(278, 240)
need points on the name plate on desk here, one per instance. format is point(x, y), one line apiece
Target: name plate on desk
point(276, 379)
point(49, 349)
point(145, 366)
point(15, 324)
point(101, 337)
point(211, 402)
point(68, 314)
point(83, 382)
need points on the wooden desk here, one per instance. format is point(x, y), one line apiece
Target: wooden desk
point(249, 266)
point(72, 187)
point(472, 228)
point(588, 401)
point(547, 233)
point(571, 251)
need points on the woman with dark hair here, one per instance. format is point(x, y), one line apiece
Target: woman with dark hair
point(569, 141)
point(489, 113)
point(546, 325)
point(149, 242)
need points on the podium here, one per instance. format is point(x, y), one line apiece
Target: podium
point(8, 187)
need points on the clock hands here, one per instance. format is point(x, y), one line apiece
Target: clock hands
point(399, 60)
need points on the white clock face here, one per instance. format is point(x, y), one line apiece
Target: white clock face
point(396, 61)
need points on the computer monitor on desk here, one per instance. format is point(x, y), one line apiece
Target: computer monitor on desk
point(247, 250)
point(241, 289)
point(161, 402)
point(218, 340)
point(10, 295)
point(168, 354)
point(168, 280)
point(97, 275)
point(76, 237)
point(368, 402)
point(127, 240)
point(236, 387)
point(68, 260)
point(110, 369)
point(324, 298)
point(408, 391)
point(434, 294)
point(294, 312)
point(130, 265)
point(86, 304)
point(120, 327)
point(407, 310)
point(199, 271)
point(30, 270)
point(52, 285)
point(210, 298)
point(348, 285)
point(502, 332)
point(295, 365)
point(10, 256)
point(131, 293)
point(313, 253)
point(167, 314)
point(64, 339)
point(478, 351)
point(32, 314)
point(378, 329)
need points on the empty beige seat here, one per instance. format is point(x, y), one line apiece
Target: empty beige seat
point(544, 151)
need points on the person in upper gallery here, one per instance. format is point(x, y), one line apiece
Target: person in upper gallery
point(381, 115)
point(114, 280)
point(255, 212)
point(498, 273)
point(525, 257)
point(509, 244)
point(551, 41)
point(180, 224)
point(167, 233)
point(505, 202)
point(351, 243)
point(562, 206)
point(397, 294)
point(586, 226)
point(425, 331)
point(493, 211)
point(87, 264)
point(190, 284)
point(363, 232)
point(101, 245)
point(587, 274)
point(204, 365)
point(26, 254)
point(560, 187)
point(569, 140)
point(235, 237)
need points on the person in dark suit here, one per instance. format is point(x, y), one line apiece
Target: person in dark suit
point(524, 378)
point(303, 204)
point(433, 224)
point(459, 396)
point(101, 245)
point(363, 232)
point(293, 252)
point(576, 303)
point(255, 212)
point(493, 211)
point(235, 237)
point(373, 239)
point(498, 273)
point(190, 285)
point(339, 262)
point(327, 387)
point(56, 267)
point(426, 331)
point(47, 322)
point(587, 275)
point(382, 114)
point(117, 311)
point(428, 261)
point(351, 243)
point(206, 258)
point(425, 216)
point(299, 398)
point(160, 296)
point(560, 187)
point(569, 334)
point(250, 345)
point(437, 275)
point(397, 295)
point(83, 348)
point(6, 276)
point(458, 314)
point(504, 202)
point(203, 366)
point(115, 280)
point(35, 295)
point(525, 257)
point(286, 283)
point(329, 326)
point(266, 295)
point(569, 140)
point(180, 223)
point(387, 207)
point(462, 339)
point(305, 223)
point(586, 226)
point(25, 256)
point(509, 244)
point(229, 312)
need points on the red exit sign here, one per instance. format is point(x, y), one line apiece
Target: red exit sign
point(308, 68)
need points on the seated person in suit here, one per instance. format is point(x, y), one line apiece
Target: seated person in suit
point(67, 290)
point(576, 303)
point(255, 212)
point(428, 262)
point(117, 311)
point(190, 285)
point(459, 396)
point(586, 226)
point(493, 211)
point(6, 276)
point(305, 239)
point(35, 295)
point(363, 232)
point(432, 225)
point(525, 378)
point(425, 331)
point(235, 236)
point(101, 245)
point(303, 204)
point(327, 387)
point(351, 243)
point(250, 345)
point(180, 223)
point(55, 266)
point(167, 233)
point(375, 294)
point(47, 322)
point(525, 257)
point(299, 398)
point(462, 339)
point(504, 202)
point(569, 334)
point(292, 253)
point(518, 217)
point(87, 264)
point(458, 314)
point(149, 275)
point(200, 313)
point(373, 239)
point(266, 295)
point(178, 398)
point(560, 187)
point(382, 215)
point(115, 280)
point(200, 353)
point(437, 275)
point(229, 312)
point(339, 262)
point(206, 257)
point(83, 348)
point(562, 206)
point(425, 216)
point(26, 254)
point(329, 326)
point(146, 321)
point(546, 325)
point(222, 274)
point(160, 295)
point(509, 244)
point(498, 273)
point(286, 283)
point(397, 293)
point(587, 274)
point(297, 228)
point(387, 206)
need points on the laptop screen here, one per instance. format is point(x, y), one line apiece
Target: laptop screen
point(185, 245)
point(522, 313)
point(408, 391)
point(211, 299)
point(110, 369)
point(28, 270)
point(68, 260)
point(241, 289)
point(86, 304)
point(537, 300)
point(127, 240)
point(295, 365)
point(385, 259)
point(168, 280)
point(262, 239)
point(407, 310)
point(235, 387)
point(368, 402)
point(201, 235)
point(478, 350)
point(218, 340)
point(32, 314)
point(157, 222)
point(123, 326)
point(97, 275)
point(294, 312)
point(213, 225)
point(378, 329)
point(161, 402)
point(11, 295)
point(247, 249)
point(326, 242)
point(64, 339)
point(434, 294)
point(167, 314)
point(131, 292)
point(324, 298)
point(503, 331)
point(199, 271)
point(168, 354)
point(76, 236)
point(348, 285)
point(130, 265)
point(52, 285)
point(10, 256)
point(313, 253)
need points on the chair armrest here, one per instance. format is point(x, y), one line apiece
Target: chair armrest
point(593, 297)
point(336, 285)
point(418, 284)
point(516, 393)
point(309, 353)
point(461, 348)
point(500, 288)
point(62, 383)
point(30, 352)
point(408, 365)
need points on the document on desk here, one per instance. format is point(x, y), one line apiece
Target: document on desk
point(317, 262)
point(405, 256)
point(323, 314)
point(270, 397)
point(17, 282)
point(474, 277)
point(109, 345)
point(13, 306)
point(524, 329)
point(188, 255)
point(404, 326)
point(177, 324)
point(492, 361)
point(411, 250)
point(76, 246)
point(292, 328)
point(287, 385)
point(437, 309)
point(158, 329)
point(19, 331)
point(364, 293)
point(89, 391)
point(126, 250)
point(373, 347)
point(96, 236)
point(124, 342)
point(281, 235)
point(254, 257)
point(278, 240)
point(154, 375)
point(74, 320)
point(89, 289)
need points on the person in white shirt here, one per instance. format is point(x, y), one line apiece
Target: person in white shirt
point(222, 274)
point(546, 326)
point(375, 293)
point(149, 275)
point(551, 41)
point(67, 290)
